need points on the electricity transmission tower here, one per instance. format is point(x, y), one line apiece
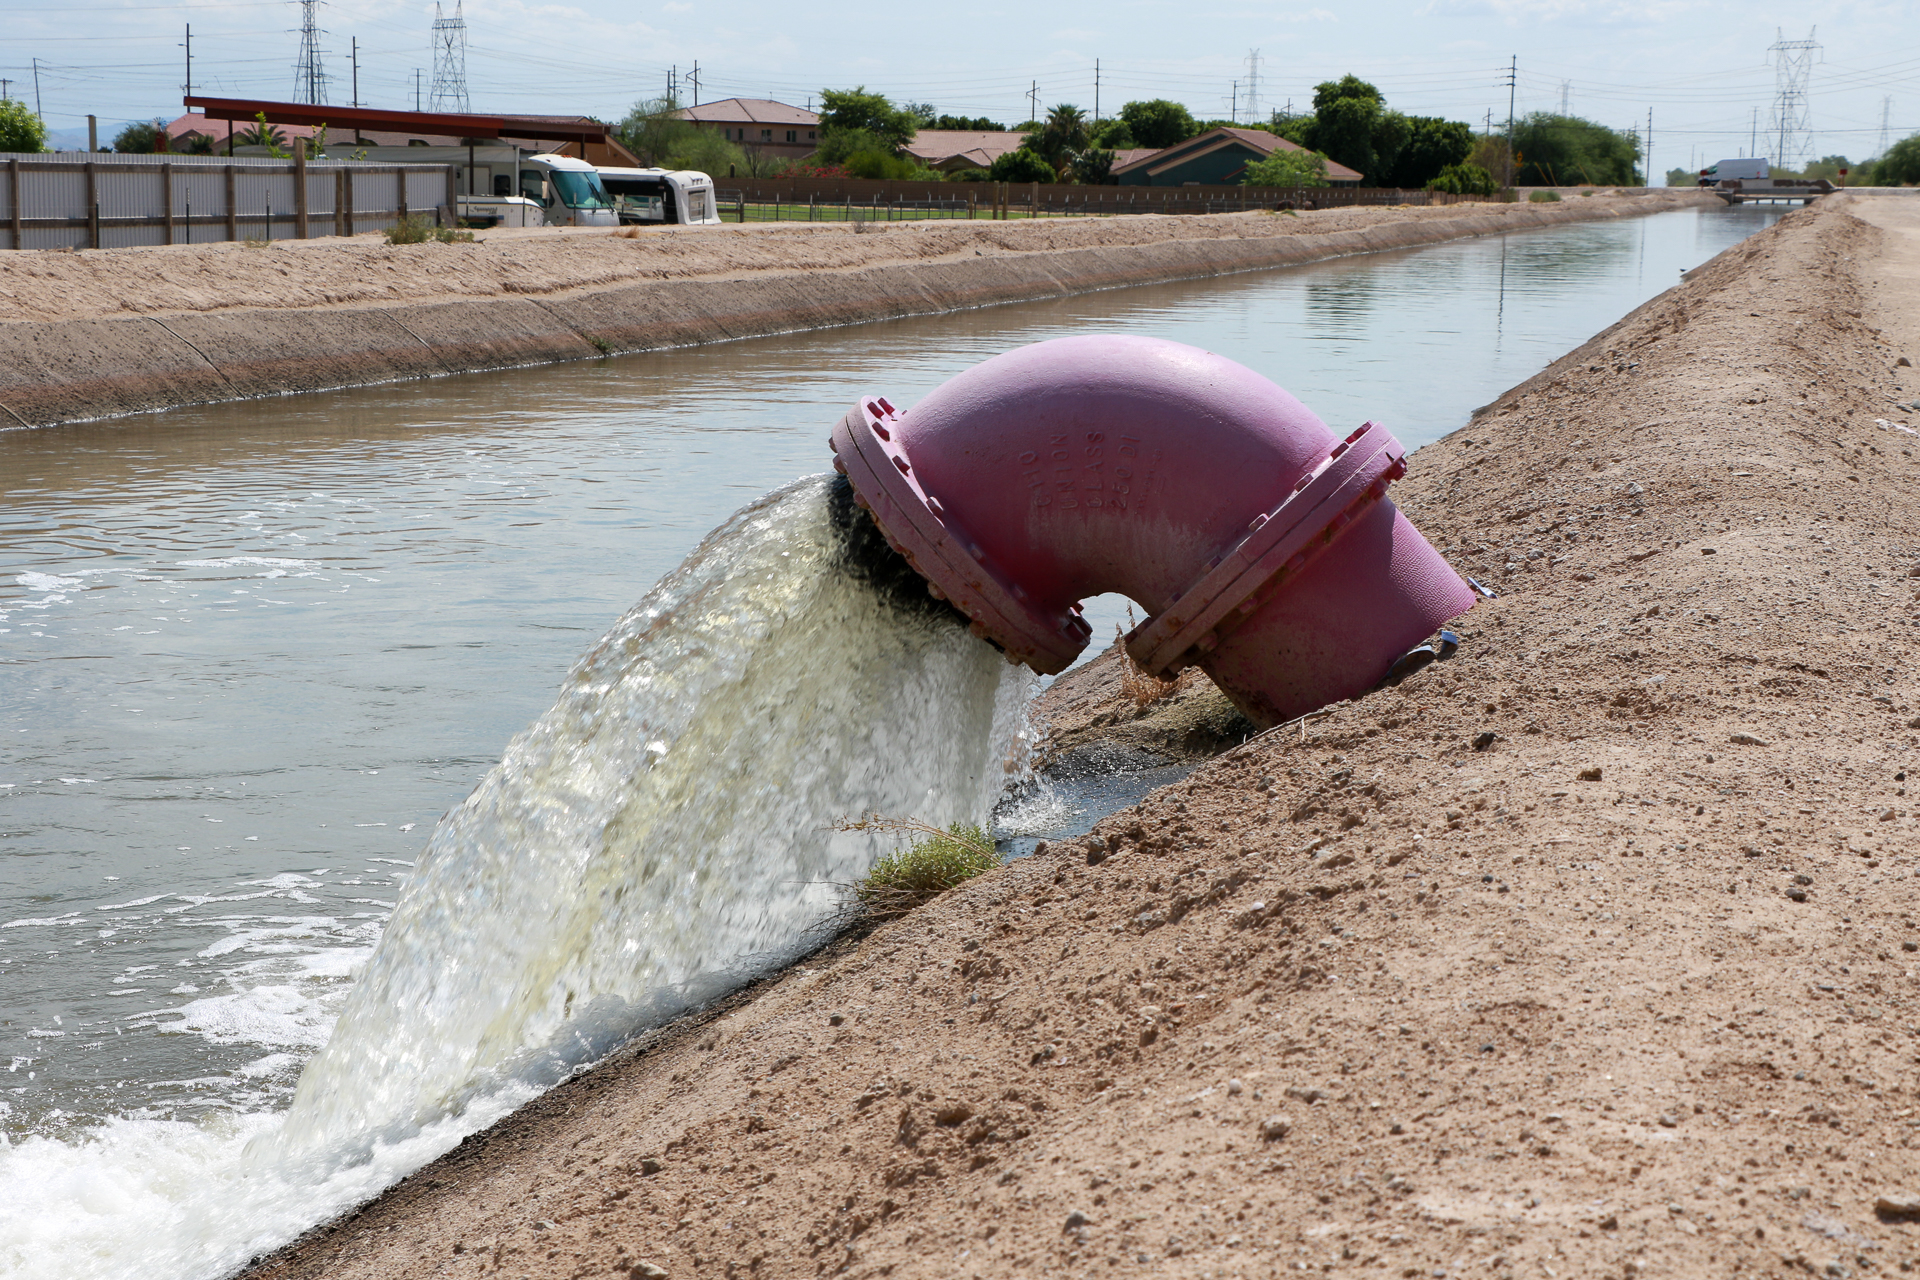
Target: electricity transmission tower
point(1253, 85)
point(310, 76)
point(1886, 114)
point(1566, 92)
point(1792, 123)
point(449, 60)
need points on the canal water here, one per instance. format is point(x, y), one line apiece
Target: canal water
point(250, 654)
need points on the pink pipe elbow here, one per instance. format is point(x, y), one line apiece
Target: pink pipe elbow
point(1261, 545)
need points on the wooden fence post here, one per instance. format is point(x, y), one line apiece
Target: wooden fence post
point(343, 201)
point(233, 210)
point(453, 196)
point(400, 179)
point(166, 197)
point(300, 230)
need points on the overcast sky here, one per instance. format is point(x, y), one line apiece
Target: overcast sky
point(1701, 66)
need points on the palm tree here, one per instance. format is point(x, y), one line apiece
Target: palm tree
point(1062, 138)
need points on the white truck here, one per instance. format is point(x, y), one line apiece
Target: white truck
point(661, 197)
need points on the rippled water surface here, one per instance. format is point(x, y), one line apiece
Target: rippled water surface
point(250, 653)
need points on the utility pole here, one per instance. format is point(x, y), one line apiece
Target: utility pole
point(189, 48)
point(37, 109)
point(1096, 91)
point(1033, 102)
point(356, 71)
point(416, 89)
point(4, 95)
point(1233, 104)
point(1753, 135)
point(1513, 73)
point(693, 79)
point(1649, 156)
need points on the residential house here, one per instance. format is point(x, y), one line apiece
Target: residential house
point(760, 124)
point(950, 150)
point(1216, 157)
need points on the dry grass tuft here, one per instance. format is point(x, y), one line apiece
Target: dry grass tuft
point(913, 876)
point(1136, 685)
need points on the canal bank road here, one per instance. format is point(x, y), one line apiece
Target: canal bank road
point(100, 333)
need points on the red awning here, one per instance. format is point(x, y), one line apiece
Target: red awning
point(426, 123)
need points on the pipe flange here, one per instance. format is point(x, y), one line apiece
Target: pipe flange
point(867, 450)
point(1275, 548)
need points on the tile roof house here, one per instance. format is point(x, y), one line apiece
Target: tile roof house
point(949, 150)
point(1216, 157)
point(760, 124)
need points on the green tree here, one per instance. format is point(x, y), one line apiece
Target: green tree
point(1432, 145)
point(140, 138)
point(1900, 166)
point(1682, 178)
point(195, 144)
point(1464, 180)
point(1022, 165)
point(1827, 167)
point(848, 110)
point(21, 129)
point(922, 112)
point(1562, 151)
point(655, 133)
point(1114, 135)
point(973, 124)
point(1287, 168)
point(1062, 138)
point(1158, 123)
point(1351, 126)
point(1094, 166)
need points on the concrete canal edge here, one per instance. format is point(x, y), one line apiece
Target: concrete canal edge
point(78, 369)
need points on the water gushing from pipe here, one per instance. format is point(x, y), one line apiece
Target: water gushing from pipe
point(668, 824)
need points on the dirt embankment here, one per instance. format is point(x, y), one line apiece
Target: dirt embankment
point(1629, 987)
point(100, 333)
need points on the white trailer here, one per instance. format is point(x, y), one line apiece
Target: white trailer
point(661, 197)
point(1750, 169)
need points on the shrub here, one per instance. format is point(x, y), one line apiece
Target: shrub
point(969, 175)
point(418, 228)
point(21, 129)
point(1022, 165)
point(1465, 180)
point(1285, 168)
point(1544, 197)
point(1900, 167)
point(910, 877)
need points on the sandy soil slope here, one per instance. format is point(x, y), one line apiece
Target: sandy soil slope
point(362, 270)
point(1591, 952)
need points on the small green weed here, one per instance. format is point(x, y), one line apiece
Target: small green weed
point(1544, 197)
point(913, 876)
point(417, 228)
point(600, 344)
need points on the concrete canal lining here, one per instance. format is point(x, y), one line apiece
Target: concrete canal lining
point(97, 334)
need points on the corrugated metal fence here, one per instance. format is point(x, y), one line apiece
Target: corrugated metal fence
point(96, 201)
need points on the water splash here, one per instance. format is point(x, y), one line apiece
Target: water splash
point(667, 824)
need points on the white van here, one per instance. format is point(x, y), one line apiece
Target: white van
point(661, 197)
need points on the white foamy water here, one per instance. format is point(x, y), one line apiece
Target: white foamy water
point(664, 831)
